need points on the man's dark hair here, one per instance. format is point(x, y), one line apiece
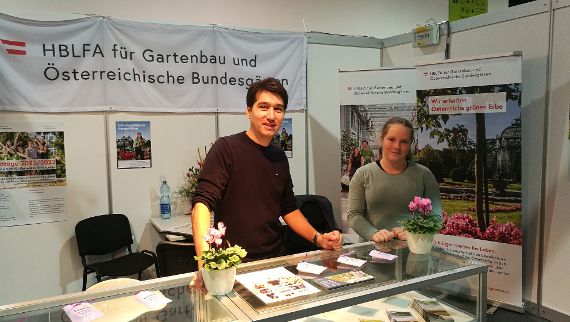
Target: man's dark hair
point(364, 141)
point(271, 85)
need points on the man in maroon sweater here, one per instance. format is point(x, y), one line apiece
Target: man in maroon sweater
point(246, 182)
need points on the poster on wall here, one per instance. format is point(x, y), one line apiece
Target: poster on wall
point(469, 121)
point(32, 173)
point(461, 9)
point(367, 99)
point(133, 144)
point(284, 138)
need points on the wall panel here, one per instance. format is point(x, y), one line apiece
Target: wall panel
point(556, 238)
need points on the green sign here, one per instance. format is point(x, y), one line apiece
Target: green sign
point(459, 9)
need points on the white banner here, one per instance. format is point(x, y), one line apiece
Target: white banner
point(485, 228)
point(467, 73)
point(368, 98)
point(100, 63)
point(379, 86)
point(504, 260)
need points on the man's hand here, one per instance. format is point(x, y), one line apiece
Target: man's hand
point(198, 283)
point(382, 235)
point(399, 233)
point(331, 241)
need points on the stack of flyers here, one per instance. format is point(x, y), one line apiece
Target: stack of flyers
point(431, 310)
point(400, 316)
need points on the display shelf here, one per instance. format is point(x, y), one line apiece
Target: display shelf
point(458, 284)
point(439, 273)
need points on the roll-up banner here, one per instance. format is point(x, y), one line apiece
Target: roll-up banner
point(101, 63)
point(469, 116)
point(367, 99)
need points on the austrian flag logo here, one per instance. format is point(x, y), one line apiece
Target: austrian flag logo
point(14, 47)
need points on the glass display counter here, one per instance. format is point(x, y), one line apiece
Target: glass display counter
point(458, 285)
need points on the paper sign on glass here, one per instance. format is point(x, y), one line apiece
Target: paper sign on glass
point(152, 299)
point(381, 255)
point(351, 261)
point(310, 268)
point(82, 312)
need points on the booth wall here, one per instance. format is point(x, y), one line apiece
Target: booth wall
point(498, 38)
point(555, 281)
point(42, 260)
point(376, 18)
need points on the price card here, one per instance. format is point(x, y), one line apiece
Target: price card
point(351, 261)
point(152, 299)
point(310, 268)
point(82, 312)
point(381, 255)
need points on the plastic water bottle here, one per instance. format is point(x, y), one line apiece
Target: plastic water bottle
point(164, 199)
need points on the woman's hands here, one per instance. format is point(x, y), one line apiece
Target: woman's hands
point(385, 235)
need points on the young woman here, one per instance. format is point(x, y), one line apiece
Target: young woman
point(381, 191)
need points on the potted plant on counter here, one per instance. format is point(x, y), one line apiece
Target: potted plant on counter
point(422, 226)
point(220, 261)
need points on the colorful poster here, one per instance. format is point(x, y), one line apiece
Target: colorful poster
point(369, 98)
point(32, 173)
point(284, 138)
point(469, 121)
point(101, 63)
point(133, 144)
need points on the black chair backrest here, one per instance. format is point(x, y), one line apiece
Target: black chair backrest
point(318, 211)
point(175, 258)
point(103, 234)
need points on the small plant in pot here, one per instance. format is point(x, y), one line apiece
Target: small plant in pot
point(220, 261)
point(422, 226)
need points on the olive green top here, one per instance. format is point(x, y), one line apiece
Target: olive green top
point(378, 200)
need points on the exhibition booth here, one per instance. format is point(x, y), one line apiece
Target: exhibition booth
point(86, 86)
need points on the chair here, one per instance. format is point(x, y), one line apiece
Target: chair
point(106, 235)
point(319, 213)
point(175, 258)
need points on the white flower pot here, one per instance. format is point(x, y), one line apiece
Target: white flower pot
point(419, 243)
point(219, 282)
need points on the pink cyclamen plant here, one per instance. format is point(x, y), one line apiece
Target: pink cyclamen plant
point(423, 220)
point(220, 256)
point(420, 205)
point(214, 236)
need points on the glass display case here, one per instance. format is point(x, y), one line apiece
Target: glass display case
point(393, 284)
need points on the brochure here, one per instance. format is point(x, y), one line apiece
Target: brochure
point(275, 284)
point(343, 279)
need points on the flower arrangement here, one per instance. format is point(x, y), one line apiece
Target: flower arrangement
point(220, 256)
point(460, 224)
point(423, 221)
point(191, 178)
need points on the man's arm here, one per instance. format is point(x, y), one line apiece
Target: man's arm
point(299, 224)
point(200, 226)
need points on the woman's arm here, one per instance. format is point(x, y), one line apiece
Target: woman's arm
point(356, 214)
